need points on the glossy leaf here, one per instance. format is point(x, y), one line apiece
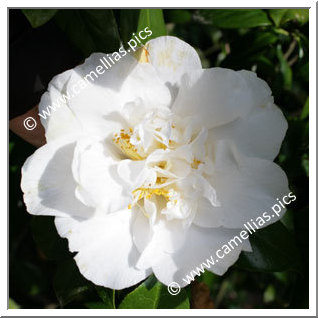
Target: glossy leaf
point(247, 50)
point(90, 30)
point(281, 16)
point(38, 17)
point(128, 23)
point(107, 296)
point(151, 294)
point(235, 18)
point(274, 250)
point(153, 19)
point(305, 111)
point(13, 304)
point(178, 16)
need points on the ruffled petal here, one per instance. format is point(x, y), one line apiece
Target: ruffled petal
point(48, 184)
point(199, 246)
point(95, 97)
point(261, 132)
point(55, 114)
point(107, 103)
point(106, 253)
point(217, 96)
point(95, 170)
point(245, 187)
point(162, 237)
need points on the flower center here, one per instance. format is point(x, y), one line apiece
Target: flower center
point(170, 149)
point(147, 193)
point(122, 141)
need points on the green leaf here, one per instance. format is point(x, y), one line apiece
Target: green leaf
point(153, 19)
point(305, 163)
point(235, 18)
point(90, 30)
point(305, 111)
point(269, 294)
point(277, 15)
point(38, 17)
point(128, 23)
point(281, 16)
point(11, 146)
point(13, 304)
point(295, 145)
point(151, 294)
point(274, 250)
point(69, 284)
point(107, 295)
point(178, 16)
point(47, 238)
point(252, 49)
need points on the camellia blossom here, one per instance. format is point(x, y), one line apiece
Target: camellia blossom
point(156, 164)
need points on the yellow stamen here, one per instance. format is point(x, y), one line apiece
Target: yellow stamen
point(161, 180)
point(147, 193)
point(195, 164)
point(122, 141)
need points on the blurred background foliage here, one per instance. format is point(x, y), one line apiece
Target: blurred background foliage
point(274, 44)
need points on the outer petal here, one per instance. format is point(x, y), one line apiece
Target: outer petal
point(261, 132)
point(106, 253)
point(48, 184)
point(163, 237)
point(217, 96)
point(172, 57)
point(245, 187)
point(56, 116)
point(199, 246)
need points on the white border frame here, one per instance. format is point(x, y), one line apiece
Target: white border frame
point(312, 163)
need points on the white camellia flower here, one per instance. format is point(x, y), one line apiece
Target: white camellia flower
point(156, 164)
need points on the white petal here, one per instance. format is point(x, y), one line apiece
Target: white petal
point(94, 100)
point(245, 187)
point(172, 57)
point(164, 236)
point(132, 172)
point(142, 232)
point(106, 253)
point(259, 134)
point(247, 246)
point(259, 89)
point(206, 216)
point(55, 115)
point(199, 246)
point(217, 96)
point(95, 170)
point(102, 105)
point(48, 184)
